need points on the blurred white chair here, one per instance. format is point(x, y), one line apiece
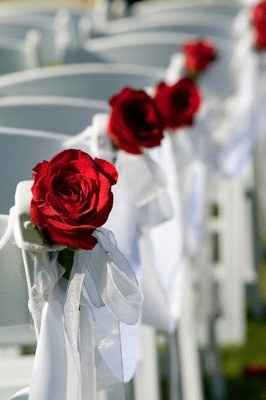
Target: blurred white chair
point(156, 50)
point(18, 29)
point(20, 150)
point(170, 23)
point(15, 319)
point(30, 148)
point(50, 114)
point(153, 49)
point(93, 81)
point(221, 9)
point(46, 13)
point(232, 263)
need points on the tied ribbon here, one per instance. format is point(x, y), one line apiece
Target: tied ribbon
point(149, 193)
point(115, 287)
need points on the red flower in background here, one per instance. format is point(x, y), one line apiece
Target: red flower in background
point(260, 39)
point(255, 370)
point(178, 103)
point(258, 15)
point(135, 122)
point(71, 197)
point(198, 55)
point(258, 20)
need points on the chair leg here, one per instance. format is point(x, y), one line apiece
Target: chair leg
point(188, 349)
point(146, 382)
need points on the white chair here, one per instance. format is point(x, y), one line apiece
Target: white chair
point(81, 55)
point(97, 81)
point(17, 29)
point(156, 50)
point(226, 9)
point(133, 78)
point(46, 13)
point(20, 150)
point(231, 261)
point(170, 23)
point(153, 49)
point(14, 315)
point(51, 114)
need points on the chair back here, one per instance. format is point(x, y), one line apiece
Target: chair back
point(50, 114)
point(87, 81)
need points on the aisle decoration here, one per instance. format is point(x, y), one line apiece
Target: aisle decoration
point(135, 129)
point(81, 287)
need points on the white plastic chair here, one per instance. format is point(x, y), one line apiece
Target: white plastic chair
point(46, 13)
point(156, 49)
point(20, 150)
point(14, 315)
point(170, 23)
point(153, 49)
point(225, 9)
point(97, 81)
point(51, 114)
point(16, 29)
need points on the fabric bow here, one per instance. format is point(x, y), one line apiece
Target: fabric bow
point(149, 193)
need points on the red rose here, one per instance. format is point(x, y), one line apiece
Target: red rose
point(178, 103)
point(255, 371)
point(258, 19)
point(72, 197)
point(258, 15)
point(135, 122)
point(198, 55)
point(260, 39)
